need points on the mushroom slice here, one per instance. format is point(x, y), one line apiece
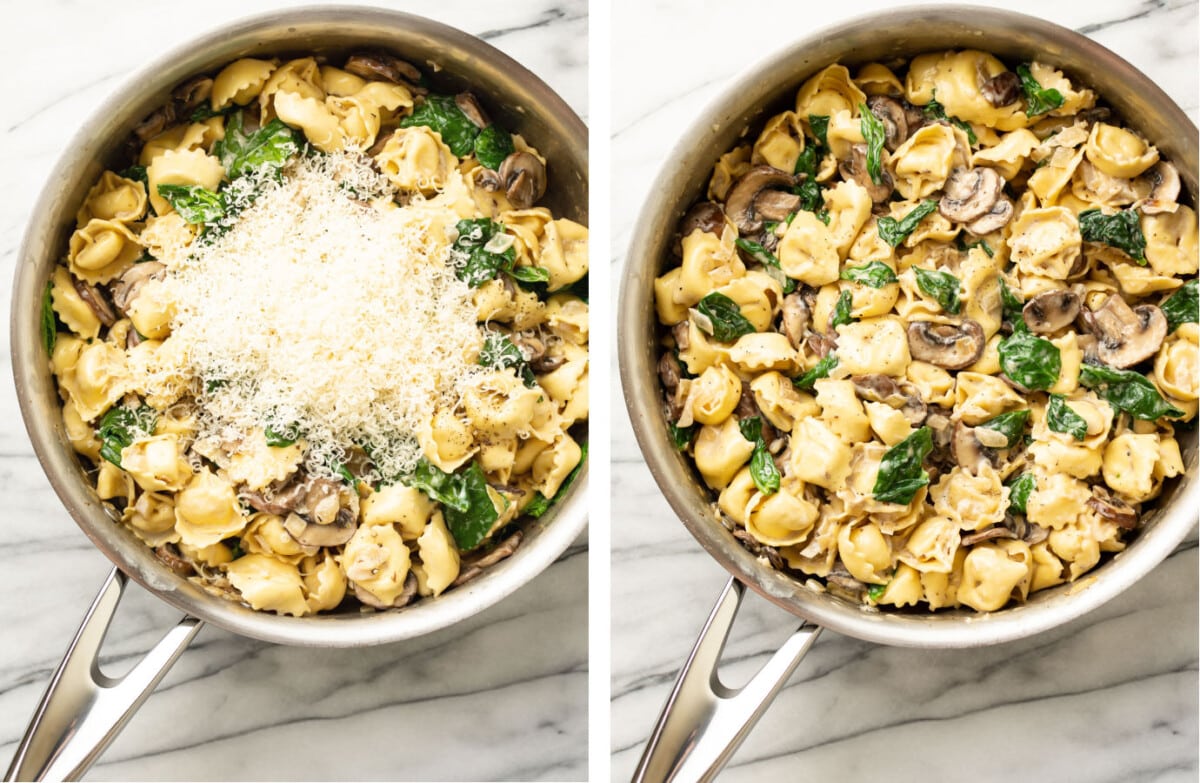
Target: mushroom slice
point(469, 104)
point(1112, 508)
point(192, 93)
point(891, 114)
point(95, 300)
point(855, 168)
point(1164, 188)
point(1003, 89)
point(987, 534)
point(759, 549)
point(1126, 336)
point(308, 533)
point(406, 595)
point(970, 193)
point(821, 344)
point(280, 502)
point(472, 568)
point(125, 289)
point(169, 556)
point(524, 178)
point(1053, 310)
point(155, 123)
point(379, 65)
point(949, 346)
point(742, 200)
point(776, 205)
point(796, 315)
point(876, 387)
point(706, 216)
point(994, 219)
point(669, 374)
point(968, 451)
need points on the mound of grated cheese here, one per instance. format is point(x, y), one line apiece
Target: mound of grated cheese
point(316, 310)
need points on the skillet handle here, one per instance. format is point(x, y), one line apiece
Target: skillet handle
point(704, 722)
point(83, 710)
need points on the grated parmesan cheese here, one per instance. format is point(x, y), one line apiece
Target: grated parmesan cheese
point(317, 311)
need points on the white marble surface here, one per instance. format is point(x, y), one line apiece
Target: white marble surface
point(500, 697)
point(1110, 697)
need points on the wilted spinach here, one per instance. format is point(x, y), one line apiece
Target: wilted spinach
point(285, 436)
point(820, 370)
point(762, 465)
point(901, 472)
point(875, 274)
point(1038, 100)
point(1011, 425)
point(473, 263)
point(936, 111)
point(48, 324)
point(964, 246)
point(681, 436)
point(541, 504)
point(269, 147)
point(725, 316)
point(441, 113)
point(120, 426)
point(874, 134)
point(894, 231)
point(499, 352)
point(1181, 307)
point(808, 189)
point(819, 124)
point(942, 286)
point(1060, 418)
point(1122, 230)
point(194, 203)
point(841, 310)
point(1127, 391)
point(492, 146)
point(1019, 489)
point(770, 263)
point(1030, 361)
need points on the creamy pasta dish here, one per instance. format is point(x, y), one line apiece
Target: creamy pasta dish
point(317, 344)
point(931, 336)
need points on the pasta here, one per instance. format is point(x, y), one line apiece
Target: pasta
point(318, 346)
point(932, 336)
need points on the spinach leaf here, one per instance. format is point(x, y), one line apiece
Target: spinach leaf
point(473, 263)
point(894, 231)
point(1121, 230)
point(285, 436)
point(540, 504)
point(762, 465)
point(820, 370)
point(1060, 418)
point(1030, 361)
point(531, 274)
point(681, 436)
point(964, 246)
point(875, 592)
point(499, 352)
point(819, 123)
point(1013, 308)
point(235, 547)
point(768, 260)
point(492, 146)
point(121, 426)
point(1011, 425)
point(438, 485)
point(901, 472)
point(441, 113)
point(137, 173)
point(269, 147)
point(841, 310)
point(471, 525)
point(1038, 100)
point(1127, 391)
point(936, 111)
point(1182, 306)
point(726, 317)
point(942, 286)
point(809, 190)
point(49, 325)
point(874, 273)
point(194, 203)
point(872, 130)
point(1019, 489)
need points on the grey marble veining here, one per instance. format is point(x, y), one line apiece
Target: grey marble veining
point(1110, 697)
point(502, 696)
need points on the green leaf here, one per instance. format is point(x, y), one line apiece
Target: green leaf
point(681, 436)
point(492, 146)
point(443, 487)
point(1030, 361)
point(874, 134)
point(808, 189)
point(1060, 418)
point(894, 231)
point(499, 353)
point(819, 123)
point(471, 525)
point(1037, 99)
point(1013, 308)
point(964, 246)
point(121, 426)
point(751, 428)
point(1122, 230)
point(1011, 425)
point(270, 147)
point(820, 370)
point(936, 111)
point(539, 505)
point(137, 173)
point(762, 465)
point(531, 274)
point(235, 547)
point(726, 317)
point(875, 592)
point(285, 436)
point(1182, 306)
point(942, 286)
point(48, 324)
point(473, 263)
point(441, 113)
point(756, 251)
point(194, 203)
point(1127, 391)
point(841, 310)
point(1019, 489)
point(901, 472)
point(876, 274)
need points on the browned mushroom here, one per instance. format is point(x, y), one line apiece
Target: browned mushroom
point(970, 193)
point(469, 104)
point(705, 216)
point(155, 123)
point(743, 199)
point(1112, 508)
point(95, 300)
point(795, 317)
point(950, 346)
point(1126, 336)
point(940, 426)
point(759, 549)
point(1164, 188)
point(278, 501)
point(988, 534)
point(380, 65)
point(169, 556)
point(914, 117)
point(404, 599)
point(192, 93)
point(524, 178)
point(776, 205)
point(1003, 89)
point(309, 533)
point(821, 344)
point(855, 168)
point(994, 219)
point(876, 387)
point(968, 452)
point(889, 112)
point(471, 568)
point(1050, 311)
point(669, 373)
point(126, 287)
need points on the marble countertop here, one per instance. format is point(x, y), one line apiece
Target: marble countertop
point(1109, 697)
point(502, 696)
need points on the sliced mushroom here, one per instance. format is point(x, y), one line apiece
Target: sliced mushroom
point(669, 372)
point(1050, 311)
point(855, 168)
point(941, 426)
point(949, 346)
point(473, 568)
point(877, 387)
point(914, 117)
point(469, 104)
point(995, 219)
point(280, 501)
point(404, 599)
point(706, 216)
point(969, 453)
point(891, 114)
point(192, 93)
point(821, 344)
point(796, 315)
point(970, 193)
point(95, 300)
point(155, 123)
point(125, 289)
point(742, 200)
point(169, 556)
point(524, 178)
point(776, 205)
point(1112, 508)
point(1126, 336)
point(987, 534)
point(759, 549)
point(380, 65)
point(1003, 89)
point(1164, 188)
point(532, 346)
point(335, 533)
